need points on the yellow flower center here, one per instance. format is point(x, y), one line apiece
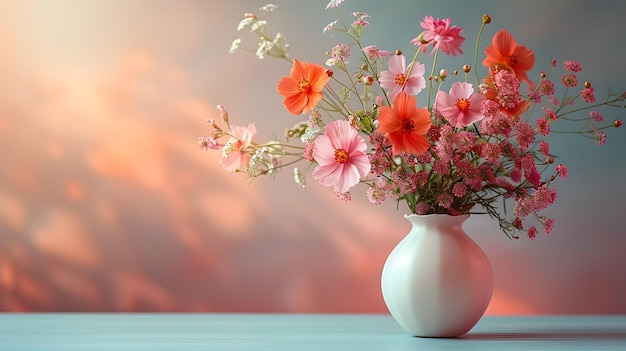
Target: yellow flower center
point(304, 86)
point(341, 156)
point(463, 104)
point(400, 79)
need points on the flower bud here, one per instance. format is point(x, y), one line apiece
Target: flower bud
point(617, 123)
point(466, 68)
point(443, 74)
point(223, 113)
point(543, 75)
point(329, 72)
point(587, 85)
point(398, 52)
point(486, 19)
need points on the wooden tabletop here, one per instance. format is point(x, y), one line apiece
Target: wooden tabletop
point(325, 332)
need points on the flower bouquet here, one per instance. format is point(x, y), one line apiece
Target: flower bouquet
point(441, 140)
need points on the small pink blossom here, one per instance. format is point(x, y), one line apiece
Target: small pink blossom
point(341, 52)
point(596, 116)
point(600, 138)
point(573, 66)
point(548, 225)
point(360, 14)
point(491, 153)
point(551, 114)
point(441, 34)
point(507, 85)
point(524, 134)
point(422, 208)
point(544, 148)
point(340, 153)
point(360, 23)
point(347, 196)
point(532, 233)
point(376, 195)
point(374, 53)
point(587, 95)
point(445, 200)
point(530, 170)
point(334, 4)
point(562, 171)
point(207, 143)
point(329, 26)
point(569, 80)
point(459, 189)
point(308, 152)
point(395, 78)
point(462, 106)
point(543, 126)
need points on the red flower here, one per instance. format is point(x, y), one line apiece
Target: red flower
point(504, 53)
point(405, 125)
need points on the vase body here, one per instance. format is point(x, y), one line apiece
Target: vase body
point(437, 282)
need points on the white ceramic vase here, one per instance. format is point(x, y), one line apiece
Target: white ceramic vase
point(437, 282)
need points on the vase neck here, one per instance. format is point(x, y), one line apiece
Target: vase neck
point(437, 220)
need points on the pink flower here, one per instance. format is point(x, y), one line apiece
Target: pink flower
point(395, 78)
point(532, 233)
point(376, 194)
point(548, 225)
point(569, 80)
point(588, 95)
point(374, 53)
point(462, 106)
point(234, 155)
point(439, 32)
point(573, 66)
point(340, 153)
point(562, 171)
point(334, 4)
point(596, 116)
point(543, 126)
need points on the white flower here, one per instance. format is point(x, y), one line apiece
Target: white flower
point(246, 22)
point(268, 8)
point(264, 47)
point(235, 45)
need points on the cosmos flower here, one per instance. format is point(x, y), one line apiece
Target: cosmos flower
point(234, 155)
point(461, 107)
point(405, 125)
point(340, 153)
point(395, 78)
point(302, 89)
point(441, 34)
point(504, 53)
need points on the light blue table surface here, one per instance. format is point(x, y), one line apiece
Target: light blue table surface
point(325, 332)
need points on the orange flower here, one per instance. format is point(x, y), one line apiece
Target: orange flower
point(405, 125)
point(504, 53)
point(302, 90)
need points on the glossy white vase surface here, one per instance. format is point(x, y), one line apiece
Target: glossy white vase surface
point(437, 282)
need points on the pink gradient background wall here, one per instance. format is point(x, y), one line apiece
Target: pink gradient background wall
point(108, 204)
